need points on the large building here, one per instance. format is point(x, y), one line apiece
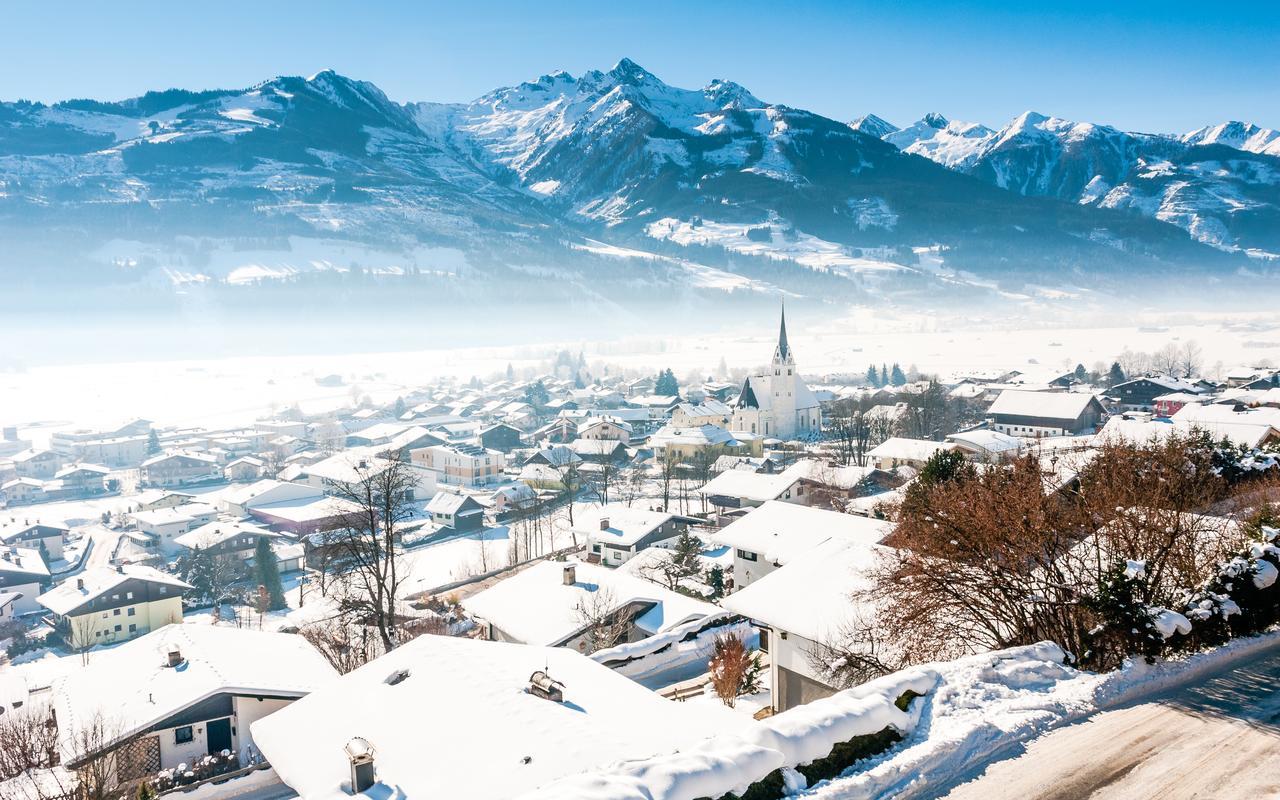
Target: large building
point(778, 404)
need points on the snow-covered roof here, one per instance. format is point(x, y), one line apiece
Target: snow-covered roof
point(810, 595)
point(1221, 412)
point(173, 514)
point(447, 502)
point(782, 531)
point(902, 448)
point(73, 593)
point(1141, 430)
point(203, 458)
point(133, 688)
point(499, 742)
point(987, 441)
point(22, 561)
point(626, 525)
point(701, 435)
point(212, 534)
point(1047, 405)
point(536, 607)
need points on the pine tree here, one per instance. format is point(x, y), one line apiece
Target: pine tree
point(153, 443)
point(400, 407)
point(1081, 373)
point(264, 560)
point(873, 376)
point(666, 384)
point(1115, 375)
point(884, 375)
point(898, 378)
point(715, 579)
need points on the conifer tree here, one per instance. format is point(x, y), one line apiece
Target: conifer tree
point(264, 560)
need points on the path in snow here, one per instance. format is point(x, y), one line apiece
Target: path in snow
point(1216, 738)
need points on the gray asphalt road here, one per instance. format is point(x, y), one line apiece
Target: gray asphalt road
point(1216, 738)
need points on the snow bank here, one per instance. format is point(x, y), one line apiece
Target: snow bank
point(732, 763)
point(683, 644)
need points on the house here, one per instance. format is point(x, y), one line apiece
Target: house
point(556, 603)
point(306, 515)
point(239, 501)
point(556, 457)
point(82, 480)
point(743, 489)
point(164, 525)
point(22, 571)
point(770, 536)
point(460, 512)
point(245, 468)
point(599, 451)
point(762, 464)
point(1032, 415)
point(106, 605)
point(163, 500)
point(1142, 429)
point(23, 491)
point(180, 469)
point(709, 412)
point(605, 428)
point(231, 541)
point(290, 556)
point(507, 734)
point(461, 464)
point(8, 609)
point(898, 451)
point(176, 695)
point(778, 403)
point(38, 536)
point(501, 437)
point(986, 446)
point(513, 497)
point(807, 606)
point(39, 464)
point(1166, 405)
point(352, 467)
point(615, 532)
point(1140, 394)
point(705, 441)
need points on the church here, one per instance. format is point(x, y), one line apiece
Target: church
point(778, 404)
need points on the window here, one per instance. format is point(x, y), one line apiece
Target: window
point(115, 613)
point(183, 735)
point(133, 628)
point(133, 612)
point(746, 555)
point(118, 629)
point(128, 595)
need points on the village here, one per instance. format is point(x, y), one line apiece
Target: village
point(521, 584)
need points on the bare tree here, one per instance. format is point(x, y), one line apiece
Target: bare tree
point(733, 668)
point(668, 472)
point(1192, 359)
point(603, 623)
point(28, 741)
point(369, 539)
point(858, 652)
point(339, 643)
point(1168, 359)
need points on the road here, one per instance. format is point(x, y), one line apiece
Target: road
point(1216, 738)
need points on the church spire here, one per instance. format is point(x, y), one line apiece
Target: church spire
point(783, 353)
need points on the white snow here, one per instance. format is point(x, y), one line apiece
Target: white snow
point(1169, 622)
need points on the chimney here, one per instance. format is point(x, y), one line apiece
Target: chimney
point(604, 523)
point(543, 685)
point(175, 657)
point(360, 754)
point(570, 574)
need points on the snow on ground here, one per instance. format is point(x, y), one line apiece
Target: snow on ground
point(235, 391)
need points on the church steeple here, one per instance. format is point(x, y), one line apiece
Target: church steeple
point(783, 352)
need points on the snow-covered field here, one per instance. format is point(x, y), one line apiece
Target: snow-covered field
point(230, 391)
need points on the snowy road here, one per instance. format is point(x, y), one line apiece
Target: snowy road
point(1217, 738)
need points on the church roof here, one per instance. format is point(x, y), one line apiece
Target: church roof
point(784, 348)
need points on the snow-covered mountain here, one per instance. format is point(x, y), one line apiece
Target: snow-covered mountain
point(1220, 184)
point(601, 180)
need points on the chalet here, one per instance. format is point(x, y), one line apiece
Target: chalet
point(82, 480)
point(23, 571)
point(458, 512)
point(105, 605)
point(501, 437)
point(709, 412)
point(545, 604)
point(1036, 414)
point(743, 489)
point(1140, 394)
point(775, 533)
point(180, 469)
point(615, 532)
point(182, 693)
point(557, 431)
point(704, 441)
point(825, 577)
point(305, 515)
point(164, 525)
point(231, 541)
point(580, 715)
point(39, 464)
point(600, 451)
point(36, 535)
point(23, 491)
point(605, 428)
point(897, 451)
point(556, 457)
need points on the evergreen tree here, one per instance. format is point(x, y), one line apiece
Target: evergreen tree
point(268, 570)
point(536, 395)
point(666, 384)
point(577, 381)
point(1115, 375)
point(1081, 373)
point(722, 371)
point(873, 376)
point(400, 407)
point(898, 378)
point(153, 443)
point(715, 579)
point(884, 375)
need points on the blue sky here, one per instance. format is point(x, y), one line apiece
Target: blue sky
point(1168, 66)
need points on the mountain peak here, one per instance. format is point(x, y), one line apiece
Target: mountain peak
point(935, 120)
point(628, 71)
point(729, 94)
point(872, 125)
